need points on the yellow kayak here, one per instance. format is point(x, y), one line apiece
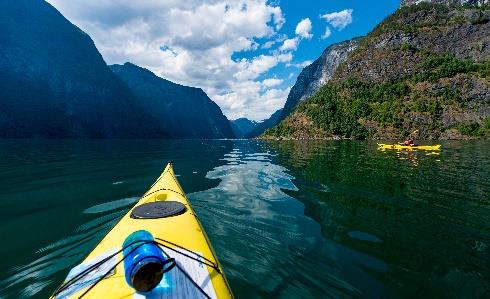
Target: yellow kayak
point(382, 146)
point(177, 261)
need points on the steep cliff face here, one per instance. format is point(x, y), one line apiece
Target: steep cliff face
point(425, 68)
point(309, 81)
point(54, 82)
point(182, 111)
point(318, 74)
point(397, 47)
point(445, 2)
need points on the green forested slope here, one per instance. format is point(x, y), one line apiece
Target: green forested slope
point(425, 68)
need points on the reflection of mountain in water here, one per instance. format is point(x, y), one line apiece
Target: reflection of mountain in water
point(384, 227)
point(429, 222)
point(268, 247)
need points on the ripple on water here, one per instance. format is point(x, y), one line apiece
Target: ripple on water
point(264, 239)
point(364, 236)
point(35, 288)
point(111, 205)
point(67, 251)
point(381, 225)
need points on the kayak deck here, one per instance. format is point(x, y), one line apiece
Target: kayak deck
point(183, 230)
point(382, 146)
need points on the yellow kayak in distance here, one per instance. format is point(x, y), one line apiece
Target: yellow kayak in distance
point(157, 250)
point(382, 146)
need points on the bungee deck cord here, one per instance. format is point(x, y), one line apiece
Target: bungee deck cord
point(168, 265)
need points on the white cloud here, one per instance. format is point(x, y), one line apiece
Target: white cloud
point(270, 98)
point(303, 29)
point(327, 33)
point(271, 82)
point(339, 20)
point(191, 42)
point(269, 44)
point(251, 69)
point(289, 44)
point(300, 65)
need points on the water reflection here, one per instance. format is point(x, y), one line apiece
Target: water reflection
point(318, 219)
point(428, 215)
point(268, 247)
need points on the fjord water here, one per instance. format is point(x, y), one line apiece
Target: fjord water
point(313, 219)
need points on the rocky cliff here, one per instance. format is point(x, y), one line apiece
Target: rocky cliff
point(446, 2)
point(318, 73)
point(310, 80)
point(181, 111)
point(54, 83)
point(425, 68)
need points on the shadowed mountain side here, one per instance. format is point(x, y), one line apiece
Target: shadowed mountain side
point(242, 126)
point(54, 83)
point(182, 112)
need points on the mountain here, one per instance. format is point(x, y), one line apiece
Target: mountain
point(242, 126)
point(446, 2)
point(54, 83)
point(309, 81)
point(266, 124)
point(424, 68)
point(314, 76)
point(182, 112)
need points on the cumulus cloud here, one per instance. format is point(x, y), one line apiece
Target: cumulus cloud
point(300, 65)
point(289, 44)
point(269, 44)
point(251, 69)
point(192, 42)
point(271, 82)
point(339, 20)
point(273, 97)
point(303, 29)
point(327, 33)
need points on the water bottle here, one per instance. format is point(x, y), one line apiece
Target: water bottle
point(143, 263)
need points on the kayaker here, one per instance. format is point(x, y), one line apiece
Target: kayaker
point(408, 142)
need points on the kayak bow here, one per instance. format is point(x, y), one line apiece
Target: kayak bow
point(382, 146)
point(165, 214)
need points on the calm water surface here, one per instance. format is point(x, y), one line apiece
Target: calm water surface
point(329, 219)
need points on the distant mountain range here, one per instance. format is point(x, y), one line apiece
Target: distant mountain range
point(55, 84)
point(242, 126)
point(264, 125)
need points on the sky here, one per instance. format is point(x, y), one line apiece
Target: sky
point(245, 54)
